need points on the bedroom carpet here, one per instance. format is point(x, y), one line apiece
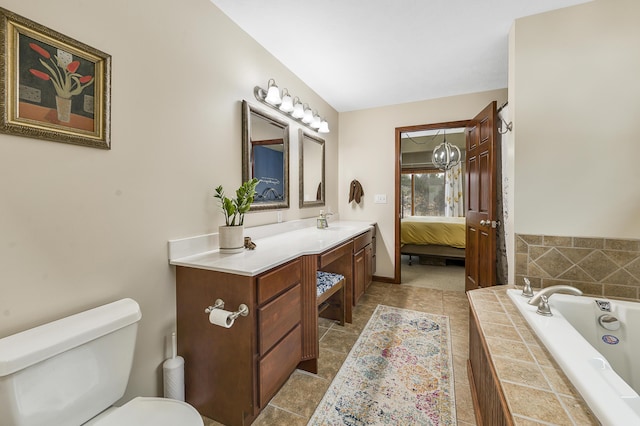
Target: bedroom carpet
point(398, 372)
point(450, 277)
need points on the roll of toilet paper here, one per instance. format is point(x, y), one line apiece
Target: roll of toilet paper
point(173, 372)
point(221, 317)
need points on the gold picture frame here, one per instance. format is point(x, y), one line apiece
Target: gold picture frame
point(52, 87)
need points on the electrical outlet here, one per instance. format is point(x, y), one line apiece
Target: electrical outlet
point(279, 217)
point(380, 199)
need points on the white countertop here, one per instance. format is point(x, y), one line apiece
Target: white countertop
point(272, 248)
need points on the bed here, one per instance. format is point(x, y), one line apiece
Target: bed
point(433, 237)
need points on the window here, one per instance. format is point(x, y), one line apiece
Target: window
point(422, 193)
point(422, 184)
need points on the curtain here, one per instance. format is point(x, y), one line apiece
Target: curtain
point(504, 233)
point(453, 192)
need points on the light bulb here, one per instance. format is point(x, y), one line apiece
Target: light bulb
point(287, 102)
point(298, 110)
point(315, 123)
point(273, 94)
point(324, 127)
point(308, 116)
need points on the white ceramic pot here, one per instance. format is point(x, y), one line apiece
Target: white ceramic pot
point(231, 239)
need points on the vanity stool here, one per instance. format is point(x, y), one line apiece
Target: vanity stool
point(331, 295)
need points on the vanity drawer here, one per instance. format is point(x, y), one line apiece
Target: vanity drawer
point(334, 254)
point(275, 368)
point(362, 240)
point(278, 280)
point(277, 317)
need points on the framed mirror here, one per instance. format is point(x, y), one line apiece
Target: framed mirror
point(311, 170)
point(265, 155)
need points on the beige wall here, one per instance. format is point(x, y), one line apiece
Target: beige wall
point(574, 90)
point(81, 227)
point(367, 153)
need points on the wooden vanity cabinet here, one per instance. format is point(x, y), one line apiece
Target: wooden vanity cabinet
point(279, 328)
point(363, 263)
point(232, 373)
point(359, 272)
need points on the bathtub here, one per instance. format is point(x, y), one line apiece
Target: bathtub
point(603, 365)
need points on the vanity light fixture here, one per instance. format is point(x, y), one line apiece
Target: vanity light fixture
point(298, 109)
point(315, 122)
point(307, 118)
point(287, 102)
point(273, 93)
point(445, 155)
point(290, 106)
point(324, 126)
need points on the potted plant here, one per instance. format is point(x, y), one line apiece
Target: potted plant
point(231, 235)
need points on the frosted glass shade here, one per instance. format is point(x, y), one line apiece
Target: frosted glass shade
point(298, 111)
point(273, 96)
point(287, 104)
point(308, 116)
point(324, 127)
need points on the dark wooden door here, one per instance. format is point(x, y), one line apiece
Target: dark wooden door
point(480, 257)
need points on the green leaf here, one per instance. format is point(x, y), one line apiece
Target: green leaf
point(234, 209)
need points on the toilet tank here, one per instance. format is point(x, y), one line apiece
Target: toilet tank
point(68, 371)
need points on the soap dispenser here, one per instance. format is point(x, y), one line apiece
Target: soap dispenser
point(322, 221)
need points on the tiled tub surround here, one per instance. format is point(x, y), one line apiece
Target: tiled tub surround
point(597, 266)
point(535, 389)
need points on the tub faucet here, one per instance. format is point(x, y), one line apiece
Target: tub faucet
point(541, 298)
point(526, 289)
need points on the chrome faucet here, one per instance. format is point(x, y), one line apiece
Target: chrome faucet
point(541, 298)
point(526, 289)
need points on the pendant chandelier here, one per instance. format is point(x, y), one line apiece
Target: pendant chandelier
point(445, 155)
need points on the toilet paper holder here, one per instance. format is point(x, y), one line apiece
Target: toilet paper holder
point(219, 304)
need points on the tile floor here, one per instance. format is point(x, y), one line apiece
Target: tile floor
point(294, 404)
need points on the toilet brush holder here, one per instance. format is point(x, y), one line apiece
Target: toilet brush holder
point(173, 373)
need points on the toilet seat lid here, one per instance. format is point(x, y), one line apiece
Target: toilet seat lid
point(143, 411)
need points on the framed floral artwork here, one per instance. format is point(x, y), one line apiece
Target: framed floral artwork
point(52, 87)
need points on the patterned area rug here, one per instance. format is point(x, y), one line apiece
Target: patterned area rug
point(399, 372)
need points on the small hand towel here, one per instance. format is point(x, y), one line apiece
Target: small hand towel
point(355, 191)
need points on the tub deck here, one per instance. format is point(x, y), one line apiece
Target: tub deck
point(535, 388)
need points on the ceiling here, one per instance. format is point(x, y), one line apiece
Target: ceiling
point(359, 54)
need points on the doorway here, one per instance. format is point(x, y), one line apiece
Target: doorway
point(482, 222)
point(421, 202)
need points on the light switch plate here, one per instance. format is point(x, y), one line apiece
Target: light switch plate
point(380, 199)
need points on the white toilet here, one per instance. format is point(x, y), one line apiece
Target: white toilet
point(71, 371)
